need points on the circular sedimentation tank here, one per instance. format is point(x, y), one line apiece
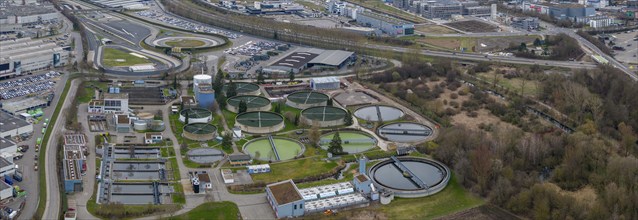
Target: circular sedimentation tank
point(205, 155)
point(378, 113)
point(410, 176)
point(306, 99)
point(324, 116)
point(260, 122)
point(284, 148)
point(351, 141)
point(253, 102)
point(244, 88)
point(405, 132)
point(200, 131)
point(196, 115)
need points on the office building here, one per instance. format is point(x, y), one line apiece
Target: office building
point(441, 9)
point(560, 11)
point(285, 199)
point(525, 23)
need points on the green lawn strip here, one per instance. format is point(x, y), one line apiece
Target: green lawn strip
point(111, 55)
point(175, 168)
point(178, 197)
point(87, 90)
point(452, 199)
point(530, 87)
point(295, 169)
point(211, 210)
point(42, 171)
point(230, 118)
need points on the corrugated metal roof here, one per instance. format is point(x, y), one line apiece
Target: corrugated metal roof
point(329, 79)
point(331, 57)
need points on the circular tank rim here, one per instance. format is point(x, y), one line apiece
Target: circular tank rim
point(301, 152)
point(345, 112)
point(354, 113)
point(181, 113)
point(228, 100)
point(191, 124)
point(267, 112)
point(404, 122)
point(413, 192)
point(307, 91)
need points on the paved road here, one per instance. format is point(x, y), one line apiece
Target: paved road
point(52, 206)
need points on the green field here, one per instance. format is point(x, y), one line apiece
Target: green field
point(350, 147)
point(451, 200)
point(211, 210)
point(115, 57)
point(185, 43)
point(285, 148)
point(295, 169)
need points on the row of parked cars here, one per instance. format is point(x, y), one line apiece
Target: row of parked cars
point(184, 24)
point(27, 85)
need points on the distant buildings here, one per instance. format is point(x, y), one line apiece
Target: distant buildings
point(388, 25)
point(560, 11)
point(266, 7)
point(525, 23)
point(26, 14)
point(25, 55)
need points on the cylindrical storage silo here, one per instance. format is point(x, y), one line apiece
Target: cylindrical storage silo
point(157, 125)
point(139, 125)
point(202, 78)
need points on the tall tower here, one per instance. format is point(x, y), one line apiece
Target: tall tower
point(493, 12)
point(362, 164)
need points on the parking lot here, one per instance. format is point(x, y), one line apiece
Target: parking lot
point(27, 85)
point(184, 24)
point(630, 53)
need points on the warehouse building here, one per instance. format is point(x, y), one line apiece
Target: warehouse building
point(325, 83)
point(304, 58)
point(7, 146)
point(22, 56)
point(24, 105)
point(11, 126)
point(27, 14)
point(6, 191)
point(388, 25)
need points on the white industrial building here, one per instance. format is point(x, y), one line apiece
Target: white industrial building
point(11, 126)
point(110, 103)
point(7, 146)
point(25, 55)
point(6, 191)
point(27, 14)
point(325, 83)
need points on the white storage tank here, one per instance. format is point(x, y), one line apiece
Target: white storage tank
point(202, 78)
point(139, 125)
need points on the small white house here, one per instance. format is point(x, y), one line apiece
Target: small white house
point(152, 137)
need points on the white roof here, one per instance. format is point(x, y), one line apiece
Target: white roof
point(329, 79)
point(331, 57)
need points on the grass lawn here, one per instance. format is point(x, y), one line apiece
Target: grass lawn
point(88, 88)
point(434, 29)
point(230, 118)
point(530, 87)
point(211, 210)
point(452, 199)
point(115, 57)
point(295, 169)
point(185, 43)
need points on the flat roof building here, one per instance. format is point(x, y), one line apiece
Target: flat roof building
point(11, 126)
point(325, 83)
point(26, 56)
point(303, 58)
point(285, 199)
point(7, 146)
point(388, 25)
